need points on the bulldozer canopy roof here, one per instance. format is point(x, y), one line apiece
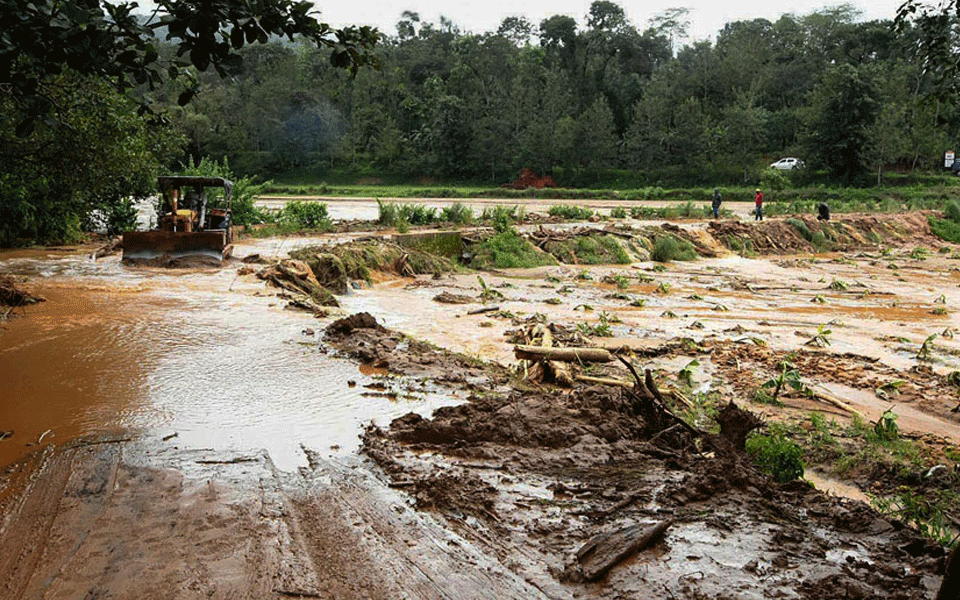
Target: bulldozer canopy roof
point(176, 181)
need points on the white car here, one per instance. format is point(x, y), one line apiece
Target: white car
point(787, 164)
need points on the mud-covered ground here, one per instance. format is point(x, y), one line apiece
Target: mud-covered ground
point(494, 497)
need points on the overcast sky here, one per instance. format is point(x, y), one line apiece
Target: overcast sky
point(707, 17)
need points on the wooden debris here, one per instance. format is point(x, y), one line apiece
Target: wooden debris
point(111, 247)
point(837, 402)
point(485, 309)
point(448, 298)
point(604, 381)
point(578, 355)
point(605, 551)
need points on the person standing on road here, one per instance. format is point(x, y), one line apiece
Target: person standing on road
point(758, 201)
point(716, 203)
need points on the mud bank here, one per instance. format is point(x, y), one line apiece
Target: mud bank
point(533, 474)
point(116, 519)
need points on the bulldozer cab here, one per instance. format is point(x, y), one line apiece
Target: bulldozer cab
point(187, 206)
point(194, 219)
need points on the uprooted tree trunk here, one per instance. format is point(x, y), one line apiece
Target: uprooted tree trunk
point(528, 352)
point(950, 588)
point(296, 277)
point(735, 425)
point(660, 422)
point(541, 368)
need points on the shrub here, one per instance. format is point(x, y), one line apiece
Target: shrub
point(501, 217)
point(457, 213)
point(410, 214)
point(776, 455)
point(774, 179)
point(570, 212)
point(305, 215)
point(669, 247)
point(801, 228)
point(508, 250)
point(618, 212)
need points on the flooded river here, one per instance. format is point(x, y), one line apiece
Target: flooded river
point(203, 355)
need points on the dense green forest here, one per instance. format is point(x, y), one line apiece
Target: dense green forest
point(96, 100)
point(593, 101)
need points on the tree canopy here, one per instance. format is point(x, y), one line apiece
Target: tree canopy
point(595, 98)
point(85, 88)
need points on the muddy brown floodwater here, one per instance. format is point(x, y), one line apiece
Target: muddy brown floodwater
point(160, 353)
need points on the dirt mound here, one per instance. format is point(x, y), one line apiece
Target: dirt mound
point(806, 234)
point(335, 265)
point(361, 337)
point(450, 298)
point(529, 179)
point(348, 325)
point(297, 278)
point(12, 293)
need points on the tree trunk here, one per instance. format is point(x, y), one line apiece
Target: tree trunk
point(950, 588)
point(562, 354)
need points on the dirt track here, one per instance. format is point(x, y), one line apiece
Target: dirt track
point(102, 521)
point(492, 498)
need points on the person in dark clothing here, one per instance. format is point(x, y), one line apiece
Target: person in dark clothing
point(758, 202)
point(823, 212)
point(716, 203)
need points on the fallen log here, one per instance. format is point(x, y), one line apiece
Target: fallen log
point(604, 381)
point(605, 551)
point(837, 402)
point(546, 370)
point(562, 354)
point(111, 247)
point(482, 310)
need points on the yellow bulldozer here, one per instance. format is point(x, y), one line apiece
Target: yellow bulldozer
point(188, 224)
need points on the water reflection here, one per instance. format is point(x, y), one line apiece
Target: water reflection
point(195, 353)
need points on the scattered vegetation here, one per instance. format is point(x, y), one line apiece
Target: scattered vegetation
point(591, 249)
point(508, 250)
point(669, 247)
point(570, 212)
point(599, 329)
point(777, 455)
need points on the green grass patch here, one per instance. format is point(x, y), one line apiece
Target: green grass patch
point(356, 260)
point(592, 249)
point(669, 247)
point(801, 228)
point(570, 212)
point(508, 250)
point(777, 455)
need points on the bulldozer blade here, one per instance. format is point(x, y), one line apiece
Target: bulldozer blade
point(146, 246)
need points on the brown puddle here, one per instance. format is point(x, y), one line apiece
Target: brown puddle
point(181, 354)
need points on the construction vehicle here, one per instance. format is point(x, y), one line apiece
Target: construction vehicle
point(188, 225)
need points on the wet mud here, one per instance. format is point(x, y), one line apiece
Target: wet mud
point(222, 463)
point(541, 472)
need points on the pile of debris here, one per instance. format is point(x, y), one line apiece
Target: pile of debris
point(13, 295)
point(529, 179)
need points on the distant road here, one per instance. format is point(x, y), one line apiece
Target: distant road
point(366, 208)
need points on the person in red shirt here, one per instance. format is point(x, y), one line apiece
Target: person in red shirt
point(758, 200)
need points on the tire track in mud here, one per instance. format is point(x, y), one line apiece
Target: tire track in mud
point(134, 521)
point(368, 542)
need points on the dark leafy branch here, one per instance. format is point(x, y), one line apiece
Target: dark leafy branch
point(108, 40)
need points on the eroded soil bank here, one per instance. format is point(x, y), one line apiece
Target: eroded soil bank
point(494, 497)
